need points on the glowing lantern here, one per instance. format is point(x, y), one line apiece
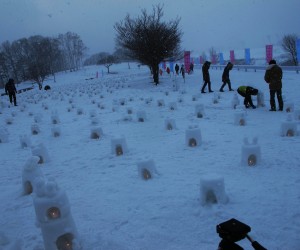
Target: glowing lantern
point(64, 242)
point(169, 126)
point(53, 213)
point(252, 160)
point(146, 174)
point(290, 133)
point(119, 150)
point(192, 142)
point(242, 122)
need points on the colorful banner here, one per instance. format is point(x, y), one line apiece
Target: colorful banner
point(232, 56)
point(171, 67)
point(201, 60)
point(214, 59)
point(221, 59)
point(187, 60)
point(247, 56)
point(269, 53)
point(298, 50)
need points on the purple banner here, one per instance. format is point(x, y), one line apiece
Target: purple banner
point(269, 53)
point(232, 56)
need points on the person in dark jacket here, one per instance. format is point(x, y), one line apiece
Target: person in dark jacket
point(182, 71)
point(246, 92)
point(206, 77)
point(10, 90)
point(273, 77)
point(176, 68)
point(225, 77)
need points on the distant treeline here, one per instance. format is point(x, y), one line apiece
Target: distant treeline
point(38, 57)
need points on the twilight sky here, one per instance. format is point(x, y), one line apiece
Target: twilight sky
point(222, 24)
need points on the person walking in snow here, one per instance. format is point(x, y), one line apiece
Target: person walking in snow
point(176, 68)
point(246, 92)
point(206, 77)
point(225, 77)
point(182, 71)
point(273, 76)
point(10, 90)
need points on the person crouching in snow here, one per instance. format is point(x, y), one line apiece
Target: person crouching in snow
point(247, 92)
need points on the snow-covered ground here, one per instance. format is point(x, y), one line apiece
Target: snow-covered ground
point(113, 207)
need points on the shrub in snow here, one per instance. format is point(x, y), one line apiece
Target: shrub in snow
point(119, 146)
point(251, 154)
point(40, 151)
point(96, 133)
point(54, 217)
point(35, 129)
point(3, 135)
point(289, 107)
point(141, 116)
point(288, 127)
point(212, 190)
point(31, 173)
point(235, 101)
point(240, 119)
point(170, 124)
point(25, 141)
point(199, 110)
point(193, 137)
point(146, 169)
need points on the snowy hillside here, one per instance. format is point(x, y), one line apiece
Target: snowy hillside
point(76, 126)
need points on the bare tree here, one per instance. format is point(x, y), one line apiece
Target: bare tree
point(289, 45)
point(148, 39)
point(107, 61)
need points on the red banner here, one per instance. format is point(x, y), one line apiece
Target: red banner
point(269, 53)
point(187, 60)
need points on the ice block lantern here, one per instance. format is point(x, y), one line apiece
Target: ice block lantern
point(53, 214)
point(193, 137)
point(289, 127)
point(251, 155)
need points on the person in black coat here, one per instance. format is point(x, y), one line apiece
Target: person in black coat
point(225, 77)
point(176, 68)
point(247, 92)
point(206, 77)
point(10, 90)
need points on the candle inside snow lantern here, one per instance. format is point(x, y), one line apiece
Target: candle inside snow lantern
point(252, 160)
point(192, 142)
point(169, 126)
point(242, 122)
point(119, 150)
point(146, 174)
point(199, 115)
point(28, 187)
point(64, 242)
point(141, 119)
point(53, 213)
point(290, 133)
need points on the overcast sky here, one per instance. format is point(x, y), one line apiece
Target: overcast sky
point(222, 24)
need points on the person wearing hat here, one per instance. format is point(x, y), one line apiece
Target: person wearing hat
point(247, 92)
point(10, 90)
point(225, 77)
point(206, 77)
point(273, 77)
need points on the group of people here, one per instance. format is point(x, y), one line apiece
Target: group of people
point(273, 77)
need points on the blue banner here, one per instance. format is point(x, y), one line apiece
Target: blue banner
point(247, 56)
point(172, 66)
point(298, 50)
point(221, 59)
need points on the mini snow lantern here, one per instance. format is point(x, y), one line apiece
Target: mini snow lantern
point(119, 150)
point(290, 133)
point(53, 214)
point(199, 110)
point(170, 124)
point(118, 146)
point(146, 169)
point(251, 155)
point(289, 127)
point(193, 137)
point(240, 119)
